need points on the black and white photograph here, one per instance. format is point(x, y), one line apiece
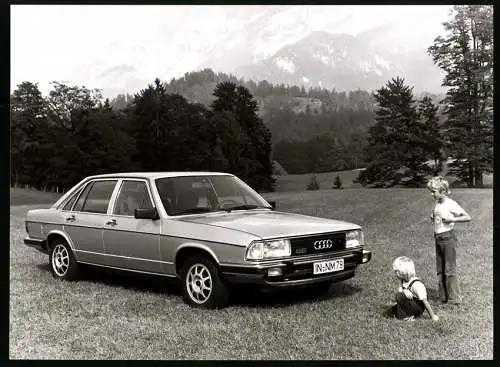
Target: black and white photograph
point(251, 182)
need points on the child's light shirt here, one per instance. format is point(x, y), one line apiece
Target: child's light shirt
point(417, 288)
point(447, 209)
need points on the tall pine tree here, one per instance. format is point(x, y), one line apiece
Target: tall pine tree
point(171, 133)
point(466, 56)
point(397, 150)
point(428, 116)
point(253, 135)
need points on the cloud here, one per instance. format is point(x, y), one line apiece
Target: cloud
point(117, 71)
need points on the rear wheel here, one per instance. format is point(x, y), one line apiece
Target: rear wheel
point(62, 261)
point(202, 285)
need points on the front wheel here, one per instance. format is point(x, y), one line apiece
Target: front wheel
point(202, 285)
point(62, 261)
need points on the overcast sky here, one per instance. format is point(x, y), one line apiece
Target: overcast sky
point(76, 43)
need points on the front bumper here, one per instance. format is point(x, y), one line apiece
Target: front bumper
point(40, 245)
point(295, 271)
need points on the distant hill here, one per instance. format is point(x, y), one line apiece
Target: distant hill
point(313, 129)
point(326, 46)
point(312, 111)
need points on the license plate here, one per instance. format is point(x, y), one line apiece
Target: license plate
point(330, 266)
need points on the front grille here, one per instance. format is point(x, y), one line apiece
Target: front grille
point(305, 245)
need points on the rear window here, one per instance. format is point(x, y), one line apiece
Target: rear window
point(81, 199)
point(95, 199)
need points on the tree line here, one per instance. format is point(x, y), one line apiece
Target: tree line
point(72, 133)
point(208, 121)
point(297, 117)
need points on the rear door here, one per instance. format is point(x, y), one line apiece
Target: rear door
point(84, 219)
point(130, 242)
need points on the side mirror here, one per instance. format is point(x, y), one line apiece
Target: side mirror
point(146, 214)
point(273, 204)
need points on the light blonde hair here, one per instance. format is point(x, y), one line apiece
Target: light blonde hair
point(405, 266)
point(438, 183)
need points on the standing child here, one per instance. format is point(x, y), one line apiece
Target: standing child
point(411, 298)
point(444, 215)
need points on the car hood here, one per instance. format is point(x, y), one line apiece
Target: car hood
point(271, 224)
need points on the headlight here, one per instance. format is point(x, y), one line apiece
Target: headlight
point(354, 239)
point(259, 250)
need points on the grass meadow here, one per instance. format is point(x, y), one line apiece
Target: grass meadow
point(23, 196)
point(299, 182)
point(111, 315)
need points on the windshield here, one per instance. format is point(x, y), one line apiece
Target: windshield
point(200, 194)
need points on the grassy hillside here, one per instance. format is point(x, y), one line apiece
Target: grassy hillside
point(115, 316)
point(299, 182)
point(325, 180)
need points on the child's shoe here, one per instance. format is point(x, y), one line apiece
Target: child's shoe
point(409, 318)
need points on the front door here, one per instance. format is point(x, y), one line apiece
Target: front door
point(129, 242)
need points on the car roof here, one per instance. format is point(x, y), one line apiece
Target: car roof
point(155, 175)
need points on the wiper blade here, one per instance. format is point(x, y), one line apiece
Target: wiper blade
point(192, 211)
point(245, 207)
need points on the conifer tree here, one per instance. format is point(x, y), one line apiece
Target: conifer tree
point(254, 136)
point(465, 55)
point(428, 117)
point(397, 147)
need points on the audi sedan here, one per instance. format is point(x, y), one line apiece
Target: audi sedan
point(209, 230)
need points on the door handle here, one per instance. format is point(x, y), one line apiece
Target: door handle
point(111, 222)
point(71, 218)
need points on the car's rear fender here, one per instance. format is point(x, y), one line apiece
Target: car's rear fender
point(58, 233)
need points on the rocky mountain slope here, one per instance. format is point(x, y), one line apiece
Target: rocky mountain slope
point(347, 49)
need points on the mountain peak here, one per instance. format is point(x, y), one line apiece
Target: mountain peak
point(334, 60)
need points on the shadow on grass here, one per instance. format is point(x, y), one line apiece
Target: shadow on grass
point(128, 280)
point(240, 296)
point(252, 297)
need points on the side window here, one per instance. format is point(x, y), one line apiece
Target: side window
point(98, 197)
point(133, 195)
point(81, 200)
point(71, 201)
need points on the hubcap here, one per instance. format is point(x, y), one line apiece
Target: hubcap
point(199, 283)
point(60, 260)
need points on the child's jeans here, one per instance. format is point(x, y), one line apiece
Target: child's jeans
point(406, 307)
point(446, 259)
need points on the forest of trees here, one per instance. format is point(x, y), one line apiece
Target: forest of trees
point(209, 121)
point(59, 139)
point(296, 117)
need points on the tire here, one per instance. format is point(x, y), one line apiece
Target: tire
point(62, 262)
point(202, 285)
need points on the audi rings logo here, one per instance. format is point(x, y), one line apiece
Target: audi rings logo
point(322, 244)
